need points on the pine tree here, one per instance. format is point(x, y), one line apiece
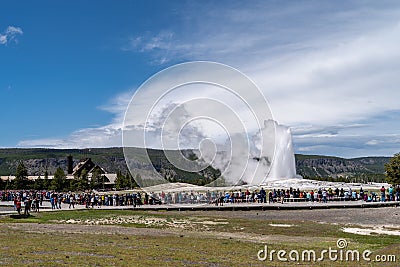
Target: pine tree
point(46, 182)
point(38, 184)
point(120, 180)
point(96, 180)
point(82, 181)
point(59, 181)
point(393, 170)
point(21, 177)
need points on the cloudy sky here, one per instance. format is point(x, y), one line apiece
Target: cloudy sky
point(329, 69)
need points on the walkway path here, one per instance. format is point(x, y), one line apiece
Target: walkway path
point(7, 207)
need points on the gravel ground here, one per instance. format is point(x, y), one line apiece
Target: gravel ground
point(6, 208)
point(375, 217)
point(371, 216)
point(121, 230)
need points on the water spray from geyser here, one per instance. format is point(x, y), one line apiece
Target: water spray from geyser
point(267, 156)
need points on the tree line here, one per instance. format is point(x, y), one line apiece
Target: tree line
point(61, 183)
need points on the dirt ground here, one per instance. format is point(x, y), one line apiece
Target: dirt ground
point(368, 216)
point(244, 234)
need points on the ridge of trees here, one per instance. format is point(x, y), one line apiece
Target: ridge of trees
point(61, 183)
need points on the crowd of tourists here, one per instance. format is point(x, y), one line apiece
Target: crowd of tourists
point(280, 195)
point(33, 200)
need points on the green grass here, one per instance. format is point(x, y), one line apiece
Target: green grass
point(34, 249)
point(231, 225)
point(231, 244)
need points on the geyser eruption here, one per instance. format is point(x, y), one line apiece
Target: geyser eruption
point(268, 155)
point(283, 163)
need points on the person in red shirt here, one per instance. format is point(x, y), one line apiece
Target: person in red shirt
point(18, 206)
point(383, 190)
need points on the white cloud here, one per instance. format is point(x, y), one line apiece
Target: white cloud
point(10, 35)
point(340, 84)
point(329, 70)
point(373, 142)
point(158, 43)
point(317, 66)
point(117, 107)
point(148, 43)
point(106, 136)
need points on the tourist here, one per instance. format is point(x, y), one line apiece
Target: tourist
point(247, 195)
point(59, 200)
point(308, 196)
point(383, 191)
point(319, 195)
point(373, 196)
point(270, 197)
point(98, 200)
point(361, 193)
point(92, 200)
point(330, 193)
point(117, 198)
point(347, 195)
point(341, 192)
point(391, 193)
point(263, 195)
point(52, 202)
point(86, 200)
point(354, 195)
point(71, 201)
point(139, 199)
point(134, 197)
point(114, 200)
point(18, 205)
point(324, 196)
point(282, 196)
point(37, 203)
point(27, 204)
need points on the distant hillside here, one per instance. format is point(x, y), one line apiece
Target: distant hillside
point(112, 160)
point(324, 166)
point(38, 160)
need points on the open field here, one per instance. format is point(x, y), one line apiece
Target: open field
point(192, 238)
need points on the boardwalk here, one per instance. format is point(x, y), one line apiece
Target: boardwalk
point(7, 207)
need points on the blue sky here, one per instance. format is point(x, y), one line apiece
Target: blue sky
point(329, 69)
